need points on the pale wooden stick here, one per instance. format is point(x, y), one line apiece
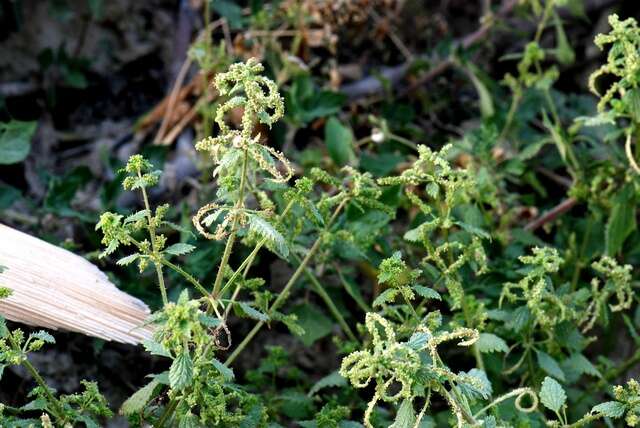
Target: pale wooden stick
point(56, 289)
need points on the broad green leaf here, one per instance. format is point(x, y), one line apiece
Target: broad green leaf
point(209, 321)
point(155, 348)
point(622, 221)
point(295, 404)
point(139, 399)
point(226, 372)
point(231, 11)
point(274, 238)
point(582, 365)
point(552, 394)
point(611, 409)
point(339, 141)
point(127, 260)
point(181, 371)
point(254, 417)
point(550, 365)
point(475, 384)
point(426, 292)
point(8, 196)
point(385, 297)
point(488, 343)
point(44, 336)
point(252, 312)
point(188, 420)
point(331, 380)
point(4, 331)
point(632, 100)
point(179, 249)
point(315, 323)
point(37, 404)
point(406, 416)
point(418, 340)
point(15, 141)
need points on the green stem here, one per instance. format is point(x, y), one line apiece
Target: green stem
point(474, 347)
point(579, 262)
point(186, 276)
point(154, 244)
point(361, 303)
point(466, 415)
point(249, 259)
point(166, 415)
point(513, 107)
point(404, 141)
point(284, 294)
point(234, 229)
point(329, 302)
point(57, 411)
point(514, 393)
point(548, 8)
point(584, 420)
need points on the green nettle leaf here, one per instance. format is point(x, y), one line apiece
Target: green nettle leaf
point(181, 371)
point(386, 296)
point(406, 416)
point(315, 323)
point(226, 372)
point(15, 141)
point(4, 331)
point(155, 348)
point(231, 11)
point(475, 384)
point(418, 340)
point(44, 336)
point(179, 249)
point(488, 343)
point(127, 260)
point(622, 220)
point(339, 141)
point(331, 380)
point(550, 365)
point(188, 420)
point(209, 321)
point(582, 365)
point(139, 399)
point(264, 229)
point(552, 394)
point(37, 404)
point(611, 409)
point(252, 312)
point(426, 292)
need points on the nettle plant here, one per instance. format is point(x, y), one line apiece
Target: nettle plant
point(476, 322)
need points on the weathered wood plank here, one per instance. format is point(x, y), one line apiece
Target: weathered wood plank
point(56, 289)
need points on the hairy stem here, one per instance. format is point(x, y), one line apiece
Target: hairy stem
point(57, 411)
point(249, 259)
point(234, 230)
point(284, 294)
point(186, 276)
point(154, 244)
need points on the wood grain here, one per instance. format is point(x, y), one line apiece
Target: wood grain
point(56, 289)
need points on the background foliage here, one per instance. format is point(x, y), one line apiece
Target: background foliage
point(380, 213)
